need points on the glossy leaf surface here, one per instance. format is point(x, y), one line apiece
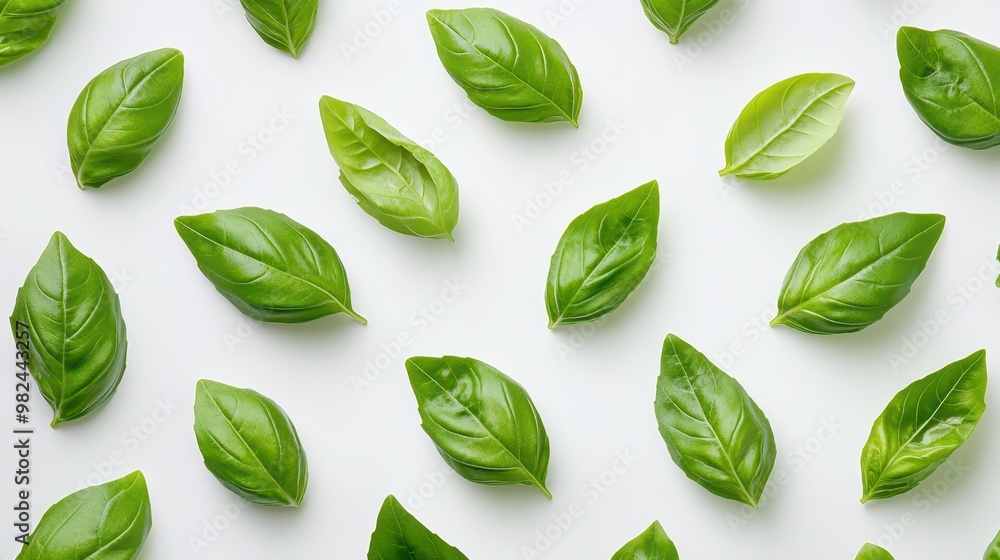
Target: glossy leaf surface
point(922, 426)
point(77, 341)
point(603, 257)
point(400, 536)
point(506, 66)
point(714, 431)
point(483, 423)
point(250, 444)
point(651, 544)
point(953, 83)
point(851, 276)
point(25, 25)
point(269, 266)
point(121, 115)
point(105, 522)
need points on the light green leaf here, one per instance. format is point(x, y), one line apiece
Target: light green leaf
point(785, 124)
point(25, 25)
point(674, 17)
point(922, 426)
point(392, 178)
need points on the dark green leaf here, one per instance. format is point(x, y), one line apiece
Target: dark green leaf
point(673, 17)
point(714, 431)
point(269, 266)
point(873, 552)
point(122, 114)
point(506, 66)
point(785, 124)
point(851, 276)
point(652, 544)
point(483, 423)
point(922, 426)
point(77, 334)
point(603, 256)
point(400, 536)
point(393, 179)
point(953, 83)
point(25, 26)
point(106, 522)
point(283, 24)
point(250, 444)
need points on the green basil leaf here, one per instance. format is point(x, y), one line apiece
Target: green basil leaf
point(603, 257)
point(283, 24)
point(482, 422)
point(998, 260)
point(105, 522)
point(714, 431)
point(77, 334)
point(785, 124)
point(873, 552)
point(851, 276)
point(952, 81)
point(993, 553)
point(392, 178)
point(25, 26)
point(652, 544)
point(269, 266)
point(506, 66)
point(250, 444)
point(673, 17)
point(400, 536)
point(922, 426)
point(122, 114)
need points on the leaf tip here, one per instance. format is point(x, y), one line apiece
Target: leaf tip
point(541, 486)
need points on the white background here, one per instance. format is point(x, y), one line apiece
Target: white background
point(725, 248)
